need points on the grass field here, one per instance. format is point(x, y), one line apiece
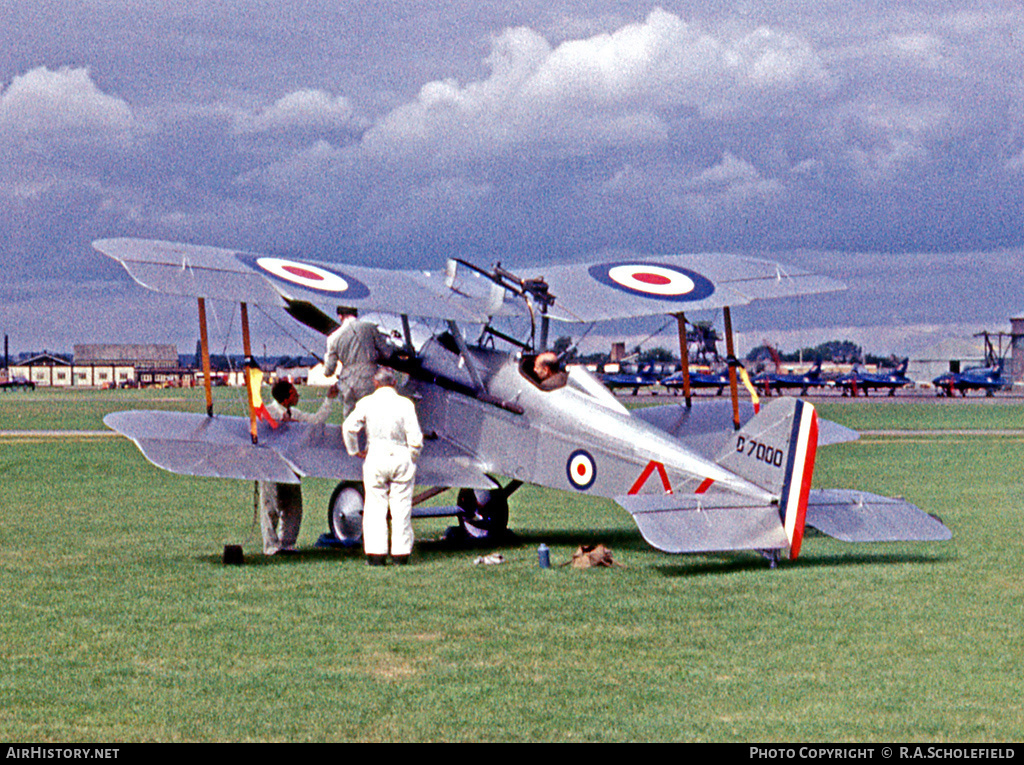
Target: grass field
point(121, 623)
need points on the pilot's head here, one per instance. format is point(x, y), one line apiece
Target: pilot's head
point(347, 310)
point(545, 365)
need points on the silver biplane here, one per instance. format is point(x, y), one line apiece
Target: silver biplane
point(694, 479)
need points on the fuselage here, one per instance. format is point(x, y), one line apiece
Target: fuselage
point(577, 437)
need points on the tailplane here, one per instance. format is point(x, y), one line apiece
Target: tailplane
point(774, 451)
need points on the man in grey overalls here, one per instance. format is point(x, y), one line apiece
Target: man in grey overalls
point(359, 347)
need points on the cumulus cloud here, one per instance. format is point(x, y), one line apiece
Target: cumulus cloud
point(303, 109)
point(684, 133)
point(586, 95)
point(61, 102)
point(883, 142)
point(544, 130)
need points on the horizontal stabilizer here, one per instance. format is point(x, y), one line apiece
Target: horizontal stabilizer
point(684, 524)
point(857, 516)
point(707, 426)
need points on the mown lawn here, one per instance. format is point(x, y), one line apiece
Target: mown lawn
point(121, 622)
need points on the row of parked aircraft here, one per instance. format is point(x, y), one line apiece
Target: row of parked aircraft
point(987, 379)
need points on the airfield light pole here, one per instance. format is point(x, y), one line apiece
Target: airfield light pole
point(204, 349)
point(731, 360)
point(684, 356)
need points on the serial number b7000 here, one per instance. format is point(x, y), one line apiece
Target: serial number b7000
point(760, 451)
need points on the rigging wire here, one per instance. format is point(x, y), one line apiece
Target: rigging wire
point(225, 332)
point(655, 334)
point(288, 334)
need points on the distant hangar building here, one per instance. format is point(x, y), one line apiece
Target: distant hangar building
point(105, 365)
point(120, 363)
point(1017, 349)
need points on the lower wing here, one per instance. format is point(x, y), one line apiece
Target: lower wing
point(221, 447)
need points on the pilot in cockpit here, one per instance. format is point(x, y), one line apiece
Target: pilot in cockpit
point(548, 372)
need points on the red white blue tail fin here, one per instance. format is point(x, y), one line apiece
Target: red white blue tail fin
point(775, 451)
point(799, 473)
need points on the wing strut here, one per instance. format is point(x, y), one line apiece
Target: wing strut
point(684, 356)
point(731, 360)
point(247, 350)
point(466, 358)
point(204, 350)
point(407, 332)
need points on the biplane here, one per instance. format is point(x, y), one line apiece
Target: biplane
point(694, 479)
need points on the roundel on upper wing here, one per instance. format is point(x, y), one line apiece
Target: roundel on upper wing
point(581, 469)
point(654, 280)
point(309, 276)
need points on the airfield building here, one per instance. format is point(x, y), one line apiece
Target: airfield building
point(1017, 349)
point(105, 365)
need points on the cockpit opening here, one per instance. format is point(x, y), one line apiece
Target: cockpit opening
point(544, 370)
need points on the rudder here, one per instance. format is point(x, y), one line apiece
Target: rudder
point(776, 450)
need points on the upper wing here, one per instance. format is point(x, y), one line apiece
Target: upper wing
point(214, 272)
point(614, 288)
point(649, 285)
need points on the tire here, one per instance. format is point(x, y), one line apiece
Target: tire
point(345, 513)
point(484, 513)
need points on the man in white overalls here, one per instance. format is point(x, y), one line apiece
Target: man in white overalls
point(393, 442)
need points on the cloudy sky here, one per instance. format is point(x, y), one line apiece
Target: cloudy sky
point(881, 143)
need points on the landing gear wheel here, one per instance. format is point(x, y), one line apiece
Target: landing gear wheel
point(345, 513)
point(484, 513)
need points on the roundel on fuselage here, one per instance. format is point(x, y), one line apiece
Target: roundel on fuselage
point(581, 469)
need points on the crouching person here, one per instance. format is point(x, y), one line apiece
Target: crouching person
point(281, 503)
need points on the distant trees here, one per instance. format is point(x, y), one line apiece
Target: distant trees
point(836, 351)
point(655, 355)
point(562, 344)
point(703, 341)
